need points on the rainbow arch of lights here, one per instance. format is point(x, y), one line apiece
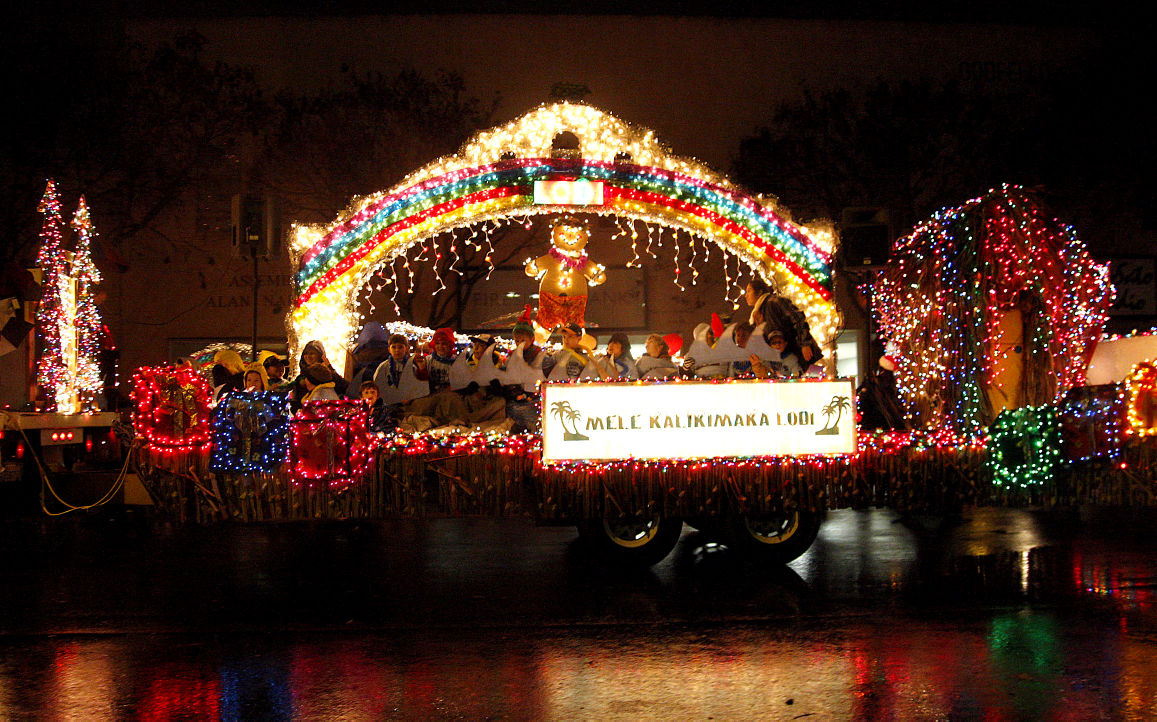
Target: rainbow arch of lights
point(492, 178)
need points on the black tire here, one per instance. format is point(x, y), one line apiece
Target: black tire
point(631, 541)
point(773, 538)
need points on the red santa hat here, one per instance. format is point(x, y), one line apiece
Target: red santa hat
point(716, 325)
point(523, 322)
point(443, 333)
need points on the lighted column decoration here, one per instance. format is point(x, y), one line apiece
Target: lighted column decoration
point(87, 317)
point(992, 304)
point(50, 368)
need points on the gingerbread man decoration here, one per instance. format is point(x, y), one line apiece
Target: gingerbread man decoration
point(564, 274)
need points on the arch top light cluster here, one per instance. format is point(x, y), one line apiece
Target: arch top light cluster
point(493, 177)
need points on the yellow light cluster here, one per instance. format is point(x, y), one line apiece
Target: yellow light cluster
point(326, 318)
point(1141, 399)
point(302, 238)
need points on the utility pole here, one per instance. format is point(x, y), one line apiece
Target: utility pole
point(256, 233)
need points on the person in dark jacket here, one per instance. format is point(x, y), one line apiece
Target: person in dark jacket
point(380, 419)
point(372, 349)
point(777, 313)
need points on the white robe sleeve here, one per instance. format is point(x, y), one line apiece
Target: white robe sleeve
point(409, 385)
point(462, 375)
point(519, 372)
point(758, 346)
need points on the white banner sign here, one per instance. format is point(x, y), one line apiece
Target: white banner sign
point(581, 192)
point(697, 420)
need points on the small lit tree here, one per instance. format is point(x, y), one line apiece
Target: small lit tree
point(88, 321)
point(50, 371)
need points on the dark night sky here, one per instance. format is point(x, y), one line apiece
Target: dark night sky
point(1030, 12)
point(701, 85)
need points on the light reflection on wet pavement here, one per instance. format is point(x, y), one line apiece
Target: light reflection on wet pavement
point(1006, 614)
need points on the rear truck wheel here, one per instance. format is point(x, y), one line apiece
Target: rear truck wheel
point(776, 538)
point(631, 540)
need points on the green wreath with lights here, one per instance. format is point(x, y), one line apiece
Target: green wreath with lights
point(1024, 448)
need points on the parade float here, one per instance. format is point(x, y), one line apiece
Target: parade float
point(756, 461)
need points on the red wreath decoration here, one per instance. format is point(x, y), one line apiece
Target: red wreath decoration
point(331, 443)
point(171, 408)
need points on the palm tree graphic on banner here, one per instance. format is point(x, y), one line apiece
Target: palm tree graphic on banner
point(566, 414)
point(836, 406)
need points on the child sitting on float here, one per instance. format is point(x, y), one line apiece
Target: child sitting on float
point(372, 349)
point(314, 353)
point(476, 376)
point(379, 418)
point(441, 359)
point(746, 345)
point(731, 355)
point(523, 374)
point(397, 378)
point(227, 374)
point(656, 363)
point(318, 380)
point(618, 362)
point(275, 367)
point(441, 406)
point(787, 365)
point(574, 360)
point(255, 379)
point(523, 366)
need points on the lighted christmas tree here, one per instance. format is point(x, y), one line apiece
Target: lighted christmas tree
point(88, 321)
point(51, 371)
point(69, 323)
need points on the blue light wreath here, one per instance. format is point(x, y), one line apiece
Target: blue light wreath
point(250, 432)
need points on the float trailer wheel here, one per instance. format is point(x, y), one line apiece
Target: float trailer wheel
point(631, 540)
point(773, 538)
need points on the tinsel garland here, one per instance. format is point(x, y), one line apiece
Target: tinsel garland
point(420, 475)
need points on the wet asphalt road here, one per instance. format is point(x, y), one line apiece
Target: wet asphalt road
point(1005, 614)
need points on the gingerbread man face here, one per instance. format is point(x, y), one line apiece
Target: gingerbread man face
point(569, 237)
